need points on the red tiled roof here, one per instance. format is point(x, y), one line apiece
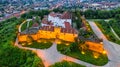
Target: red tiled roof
point(55, 14)
point(67, 25)
point(35, 25)
point(63, 30)
point(52, 14)
point(50, 23)
point(16, 14)
point(47, 28)
point(22, 12)
point(71, 30)
point(44, 21)
point(66, 15)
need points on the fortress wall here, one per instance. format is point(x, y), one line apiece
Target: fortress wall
point(22, 38)
point(49, 35)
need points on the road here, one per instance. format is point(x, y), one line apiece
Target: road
point(96, 30)
point(13, 14)
point(113, 50)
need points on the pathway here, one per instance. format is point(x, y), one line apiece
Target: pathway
point(28, 20)
point(21, 25)
point(113, 30)
point(115, 33)
point(96, 30)
point(113, 50)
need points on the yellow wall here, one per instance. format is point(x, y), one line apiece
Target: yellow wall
point(34, 36)
point(22, 38)
point(57, 30)
point(48, 35)
point(95, 46)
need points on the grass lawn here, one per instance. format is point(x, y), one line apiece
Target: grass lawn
point(115, 24)
point(87, 57)
point(31, 23)
point(24, 26)
point(66, 64)
point(38, 45)
point(104, 27)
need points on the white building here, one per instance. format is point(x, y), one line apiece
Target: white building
point(58, 19)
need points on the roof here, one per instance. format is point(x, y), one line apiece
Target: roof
point(30, 31)
point(66, 15)
point(67, 25)
point(52, 14)
point(35, 25)
point(71, 30)
point(47, 28)
point(63, 30)
point(45, 21)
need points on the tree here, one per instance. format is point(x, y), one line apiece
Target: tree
point(89, 13)
point(83, 47)
point(38, 20)
point(73, 46)
point(117, 16)
point(58, 10)
point(76, 40)
point(67, 50)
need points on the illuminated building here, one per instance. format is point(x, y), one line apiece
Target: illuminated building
point(95, 47)
point(49, 30)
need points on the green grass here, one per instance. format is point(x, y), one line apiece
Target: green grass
point(66, 64)
point(24, 26)
point(104, 27)
point(17, 57)
point(115, 24)
point(11, 56)
point(38, 45)
point(30, 24)
point(87, 57)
